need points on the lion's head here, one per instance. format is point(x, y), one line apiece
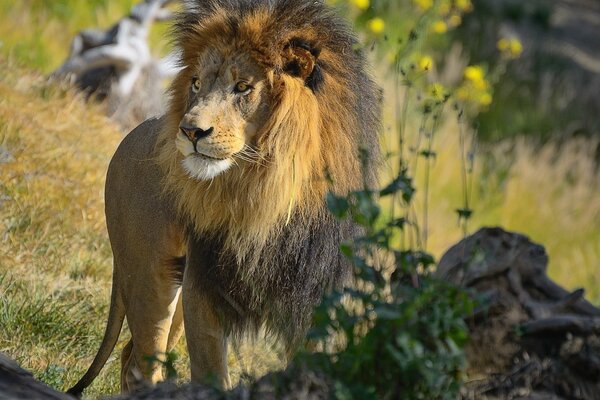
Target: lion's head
point(227, 102)
point(269, 112)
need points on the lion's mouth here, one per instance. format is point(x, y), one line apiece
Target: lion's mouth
point(203, 167)
point(207, 157)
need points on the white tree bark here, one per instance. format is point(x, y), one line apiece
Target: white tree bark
point(124, 46)
point(117, 65)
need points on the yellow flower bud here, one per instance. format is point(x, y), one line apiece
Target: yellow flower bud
point(423, 4)
point(515, 48)
point(510, 48)
point(425, 63)
point(503, 44)
point(485, 99)
point(464, 5)
point(474, 73)
point(439, 27)
point(362, 4)
point(444, 9)
point(376, 25)
point(462, 93)
point(454, 20)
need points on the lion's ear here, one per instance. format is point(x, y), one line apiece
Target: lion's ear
point(301, 60)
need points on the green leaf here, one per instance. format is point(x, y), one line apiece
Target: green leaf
point(403, 184)
point(428, 154)
point(464, 213)
point(337, 205)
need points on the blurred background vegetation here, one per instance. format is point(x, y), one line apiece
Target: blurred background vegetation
point(508, 91)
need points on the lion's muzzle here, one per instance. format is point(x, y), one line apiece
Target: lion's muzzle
point(195, 133)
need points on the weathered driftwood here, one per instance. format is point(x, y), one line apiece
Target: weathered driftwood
point(530, 338)
point(18, 384)
point(296, 383)
point(117, 66)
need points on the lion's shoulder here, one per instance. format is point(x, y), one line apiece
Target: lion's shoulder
point(136, 154)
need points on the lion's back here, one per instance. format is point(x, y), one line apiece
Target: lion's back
point(135, 209)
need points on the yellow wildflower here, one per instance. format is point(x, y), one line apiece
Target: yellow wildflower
point(423, 4)
point(474, 73)
point(444, 9)
point(437, 91)
point(376, 25)
point(439, 27)
point(464, 5)
point(454, 20)
point(462, 93)
point(515, 48)
point(485, 99)
point(425, 63)
point(362, 4)
point(511, 48)
point(480, 84)
point(503, 44)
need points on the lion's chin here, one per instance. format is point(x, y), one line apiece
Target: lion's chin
point(202, 168)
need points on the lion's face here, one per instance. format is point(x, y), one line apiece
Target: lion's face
point(226, 102)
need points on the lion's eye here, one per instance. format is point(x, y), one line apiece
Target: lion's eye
point(242, 87)
point(195, 85)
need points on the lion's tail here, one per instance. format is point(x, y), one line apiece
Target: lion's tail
point(116, 315)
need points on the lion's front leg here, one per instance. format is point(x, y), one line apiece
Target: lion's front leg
point(204, 332)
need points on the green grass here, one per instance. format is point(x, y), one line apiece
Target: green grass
point(55, 271)
point(38, 33)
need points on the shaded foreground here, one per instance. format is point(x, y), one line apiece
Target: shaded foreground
point(530, 339)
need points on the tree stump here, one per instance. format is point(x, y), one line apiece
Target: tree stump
point(530, 338)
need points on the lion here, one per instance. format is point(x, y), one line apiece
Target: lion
point(216, 211)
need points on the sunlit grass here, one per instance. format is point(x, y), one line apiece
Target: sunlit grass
point(56, 263)
point(38, 33)
point(550, 193)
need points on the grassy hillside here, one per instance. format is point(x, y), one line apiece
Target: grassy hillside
point(56, 264)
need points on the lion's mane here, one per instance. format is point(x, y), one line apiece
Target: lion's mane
point(264, 227)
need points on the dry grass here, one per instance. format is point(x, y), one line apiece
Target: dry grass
point(551, 193)
point(56, 262)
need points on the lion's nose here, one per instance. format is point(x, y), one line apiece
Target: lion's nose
point(194, 133)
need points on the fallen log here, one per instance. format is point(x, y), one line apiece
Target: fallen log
point(116, 65)
point(530, 338)
point(18, 384)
